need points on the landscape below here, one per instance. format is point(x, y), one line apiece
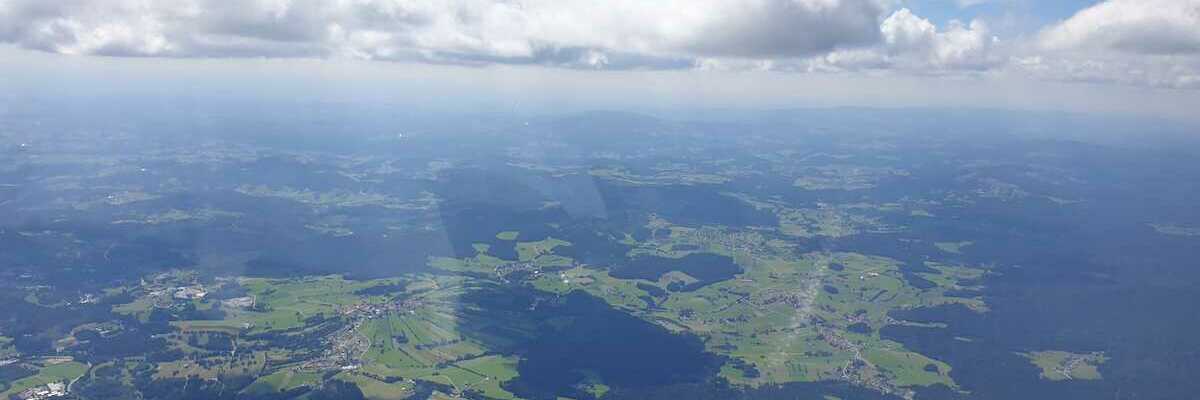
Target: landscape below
point(595, 256)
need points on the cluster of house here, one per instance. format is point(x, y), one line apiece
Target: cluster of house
point(48, 391)
point(190, 293)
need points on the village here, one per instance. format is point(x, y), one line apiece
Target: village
point(346, 346)
point(48, 391)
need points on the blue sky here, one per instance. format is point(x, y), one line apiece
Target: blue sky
point(1039, 13)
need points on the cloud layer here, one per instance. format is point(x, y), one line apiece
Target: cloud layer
point(1138, 42)
point(454, 31)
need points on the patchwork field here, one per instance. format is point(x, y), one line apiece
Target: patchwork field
point(48, 371)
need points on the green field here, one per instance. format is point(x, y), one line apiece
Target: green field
point(483, 374)
point(375, 389)
point(288, 302)
point(528, 251)
point(47, 373)
point(787, 317)
point(444, 340)
point(480, 264)
point(1061, 365)
point(281, 381)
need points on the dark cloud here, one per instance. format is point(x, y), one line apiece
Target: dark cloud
point(774, 29)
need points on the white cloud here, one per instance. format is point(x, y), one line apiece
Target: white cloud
point(1130, 26)
point(1152, 43)
point(972, 3)
point(1134, 42)
point(1171, 72)
point(460, 31)
point(915, 44)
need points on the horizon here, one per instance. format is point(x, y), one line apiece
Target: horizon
point(1104, 57)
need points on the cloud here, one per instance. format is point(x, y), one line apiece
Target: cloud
point(778, 29)
point(1173, 73)
point(972, 3)
point(1155, 27)
point(1152, 43)
point(558, 32)
point(915, 44)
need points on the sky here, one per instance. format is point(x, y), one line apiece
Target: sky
point(1114, 56)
